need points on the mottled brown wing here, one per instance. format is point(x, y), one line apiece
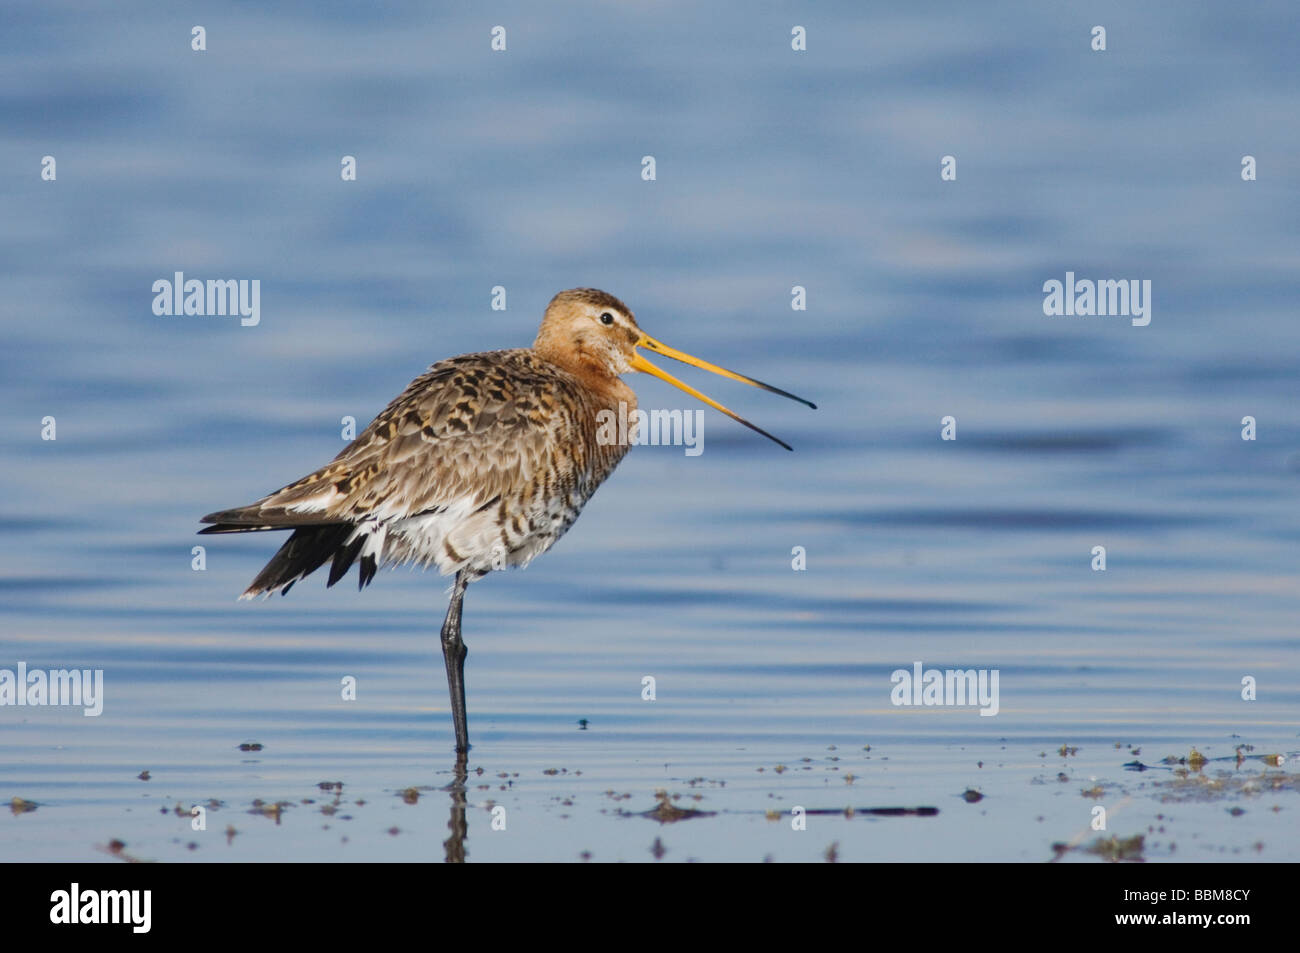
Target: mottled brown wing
point(467, 431)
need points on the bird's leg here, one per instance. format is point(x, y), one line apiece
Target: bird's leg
point(453, 653)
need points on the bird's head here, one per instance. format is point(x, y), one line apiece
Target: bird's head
point(594, 335)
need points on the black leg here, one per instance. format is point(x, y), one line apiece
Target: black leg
point(453, 653)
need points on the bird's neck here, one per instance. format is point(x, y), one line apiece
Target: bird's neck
point(592, 372)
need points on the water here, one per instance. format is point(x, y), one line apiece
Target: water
point(774, 169)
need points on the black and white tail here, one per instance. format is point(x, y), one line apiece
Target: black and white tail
point(307, 549)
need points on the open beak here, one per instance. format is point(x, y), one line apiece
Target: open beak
point(639, 363)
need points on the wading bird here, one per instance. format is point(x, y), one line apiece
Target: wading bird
point(482, 463)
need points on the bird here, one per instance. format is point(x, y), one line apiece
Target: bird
point(479, 465)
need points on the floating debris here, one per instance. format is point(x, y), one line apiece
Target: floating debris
point(272, 811)
point(870, 811)
point(666, 812)
point(1115, 849)
point(971, 795)
point(1186, 786)
point(117, 848)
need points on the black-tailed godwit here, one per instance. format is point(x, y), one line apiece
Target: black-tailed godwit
point(482, 463)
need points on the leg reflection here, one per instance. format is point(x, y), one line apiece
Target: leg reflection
point(458, 825)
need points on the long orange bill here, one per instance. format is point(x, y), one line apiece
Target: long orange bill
point(641, 364)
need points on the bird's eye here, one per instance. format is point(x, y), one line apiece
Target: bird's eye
point(606, 318)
